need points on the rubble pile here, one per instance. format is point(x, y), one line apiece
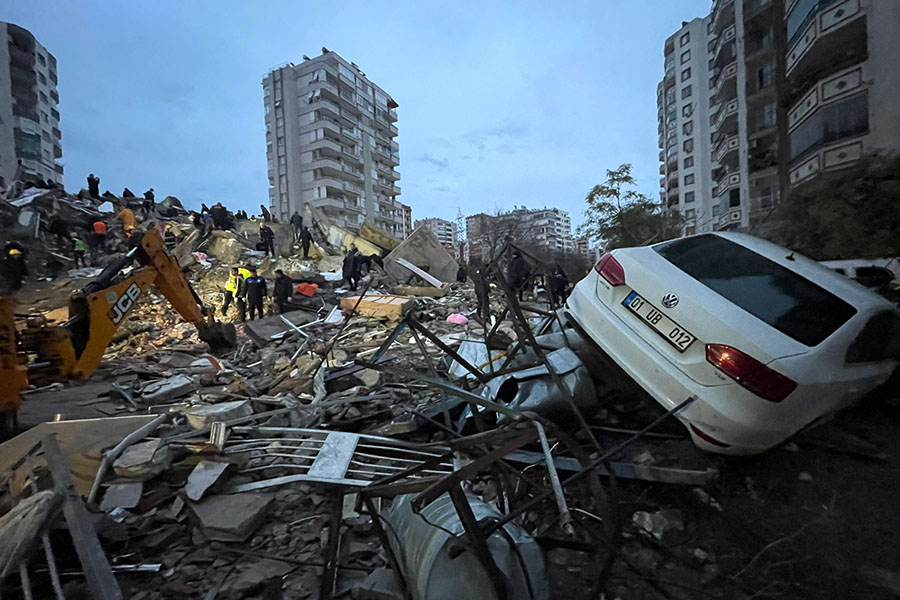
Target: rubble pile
point(414, 438)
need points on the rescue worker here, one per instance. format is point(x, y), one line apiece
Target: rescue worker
point(305, 241)
point(351, 267)
point(126, 193)
point(264, 212)
point(79, 248)
point(518, 272)
point(94, 186)
point(461, 274)
point(234, 288)
point(557, 282)
point(267, 239)
point(283, 291)
point(297, 222)
point(256, 290)
point(129, 223)
point(98, 227)
point(219, 216)
point(13, 268)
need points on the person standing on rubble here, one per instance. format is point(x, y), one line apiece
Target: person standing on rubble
point(79, 248)
point(98, 227)
point(94, 186)
point(283, 291)
point(129, 223)
point(351, 267)
point(267, 239)
point(557, 282)
point(219, 216)
point(518, 271)
point(256, 290)
point(126, 193)
point(297, 222)
point(234, 290)
point(149, 202)
point(305, 241)
point(266, 215)
point(13, 268)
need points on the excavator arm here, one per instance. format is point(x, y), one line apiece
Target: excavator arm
point(74, 349)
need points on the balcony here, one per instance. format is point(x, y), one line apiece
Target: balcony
point(725, 88)
point(727, 181)
point(57, 133)
point(723, 15)
point(328, 166)
point(726, 118)
point(352, 156)
point(835, 39)
point(334, 203)
point(324, 144)
point(726, 54)
point(57, 151)
point(725, 147)
point(323, 104)
point(392, 115)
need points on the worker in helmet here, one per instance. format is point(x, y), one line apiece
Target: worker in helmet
point(13, 268)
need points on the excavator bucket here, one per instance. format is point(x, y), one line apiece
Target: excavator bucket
point(221, 337)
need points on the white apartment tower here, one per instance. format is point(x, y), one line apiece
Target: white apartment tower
point(29, 119)
point(330, 144)
point(684, 129)
point(443, 230)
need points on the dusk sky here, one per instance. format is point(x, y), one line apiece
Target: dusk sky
point(501, 104)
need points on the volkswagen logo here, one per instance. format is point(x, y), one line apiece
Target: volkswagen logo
point(670, 300)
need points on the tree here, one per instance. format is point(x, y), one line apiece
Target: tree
point(620, 216)
point(850, 213)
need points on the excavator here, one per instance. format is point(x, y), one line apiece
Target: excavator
point(39, 353)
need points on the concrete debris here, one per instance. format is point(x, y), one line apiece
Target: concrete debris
point(166, 390)
point(122, 495)
point(231, 518)
point(143, 460)
point(201, 417)
point(204, 476)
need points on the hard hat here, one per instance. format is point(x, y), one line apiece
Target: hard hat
point(14, 252)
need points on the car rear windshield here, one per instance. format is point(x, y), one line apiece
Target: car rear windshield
point(788, 302)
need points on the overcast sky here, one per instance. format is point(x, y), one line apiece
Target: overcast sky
point(501, 104)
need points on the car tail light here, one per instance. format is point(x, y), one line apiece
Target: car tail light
point(610, 269)
point(750, 373)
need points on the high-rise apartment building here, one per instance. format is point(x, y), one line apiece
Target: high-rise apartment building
point(330, 143)
point(443, 230)
point(796, 88)
point(547, 227)
point(682, 99)
point(29, 119)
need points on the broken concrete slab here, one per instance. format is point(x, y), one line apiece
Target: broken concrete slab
point(122, 495)
point(420, 273)
point(200, 417)
point(262, 331)
point(165, 390)
point(253, 574)
point(231, 518)
point(342, 238)
point(417, 290)
point(227, 247)
point(204, 476)
point(381, 584)
point(378, 237)
point(422, 249)
point(379, 305)
point(143, 460)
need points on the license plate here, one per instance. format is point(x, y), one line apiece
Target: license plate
point(671, 331)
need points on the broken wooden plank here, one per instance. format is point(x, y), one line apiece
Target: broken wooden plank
point(392, 307)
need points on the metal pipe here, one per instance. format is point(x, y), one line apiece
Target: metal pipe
point(565, 517)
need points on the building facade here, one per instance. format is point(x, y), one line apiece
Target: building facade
point(683, 111)
point(330, 143)
point(29, 117)
point(796, 88)
point(445, 231)
point(547, 227)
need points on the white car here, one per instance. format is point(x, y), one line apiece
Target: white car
point(767, 340)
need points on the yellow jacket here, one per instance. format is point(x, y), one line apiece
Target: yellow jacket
point(232, 285)
point(127, 216)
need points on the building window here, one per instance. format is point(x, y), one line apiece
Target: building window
point(685, 56)
point(686, 92)
point(279, 122)
point(281, 141)
point(834, 122)
point(716, 209)
point(687, 110)
point(688, 162)
point(44, 98)
point(267, 91)
point(44, 117)
point(687, 128)
point(685, 38)
point(711, 45)
point(688, 145)
point(688, 197)
point(41, 58)
point(268, 110)
point(282, 160)
point(686, 74)
point(268, 147)
point(689, 179)
point(690, 213)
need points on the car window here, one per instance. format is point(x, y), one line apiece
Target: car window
point(878, 340)
point(774, 294)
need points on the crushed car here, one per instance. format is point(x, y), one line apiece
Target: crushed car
point(766, 340)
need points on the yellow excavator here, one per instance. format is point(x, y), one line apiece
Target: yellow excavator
point(38, 353)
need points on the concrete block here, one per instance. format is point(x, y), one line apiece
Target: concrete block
point(231, 518)
point(423, 250)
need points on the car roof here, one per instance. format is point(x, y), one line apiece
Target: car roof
point(840, 285)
